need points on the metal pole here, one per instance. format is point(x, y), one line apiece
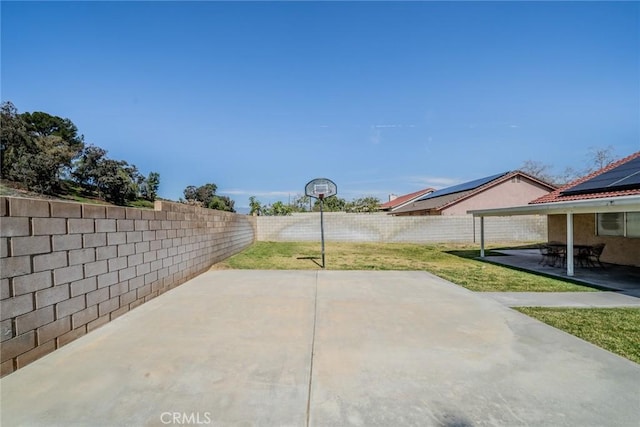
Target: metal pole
point(569, 253)
point(481, 237)
point(322, 229)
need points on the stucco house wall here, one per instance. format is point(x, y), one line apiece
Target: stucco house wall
point(514, 192)
point(618, 250)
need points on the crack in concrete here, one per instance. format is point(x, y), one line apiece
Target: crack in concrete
point(313, 343)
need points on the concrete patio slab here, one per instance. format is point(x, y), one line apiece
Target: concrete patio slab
point(321, 348)
point(222, 349)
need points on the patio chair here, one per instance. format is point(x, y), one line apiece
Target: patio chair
point(550, 255)
point(592, 256)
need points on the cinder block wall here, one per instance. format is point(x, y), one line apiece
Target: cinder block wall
point(344, 227)
point(68, 268)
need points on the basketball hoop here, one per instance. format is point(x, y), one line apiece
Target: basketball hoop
point(321, 188)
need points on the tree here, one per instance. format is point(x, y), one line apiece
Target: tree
point(37, 164)
point(87, 167)
point(364, 204)
point(15, 143)
point(300, 203)
point(597, 158)
point(600, 158)
point(66, 146)
point(117, 181)
point(37, 148)
point(539, 170)
point(190, 193)
point(206, 193)
point(567, 175)
point(203, 194)
point(43, 124)
point(277, 209)
point(222, 203)
point(331, 204)
point(255, 206)
point(206, 196)
point(48, 163)
point(149, 188)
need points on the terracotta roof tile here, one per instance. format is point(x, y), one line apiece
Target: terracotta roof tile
point(556, 196)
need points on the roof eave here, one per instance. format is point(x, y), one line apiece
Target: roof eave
point(608, 204)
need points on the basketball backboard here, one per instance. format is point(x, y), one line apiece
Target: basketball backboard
point(320, 188)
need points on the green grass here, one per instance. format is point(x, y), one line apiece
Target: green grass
point(614, 329)
point(451, 262)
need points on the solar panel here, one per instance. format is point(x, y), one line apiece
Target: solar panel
point(624, 177)
point(465, 186)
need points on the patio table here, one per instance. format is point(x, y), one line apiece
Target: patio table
point(558, 252)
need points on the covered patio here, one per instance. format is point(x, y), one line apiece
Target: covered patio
point(569, 209)
point(620, 278)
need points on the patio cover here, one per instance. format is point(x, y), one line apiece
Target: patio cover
point(569, 208)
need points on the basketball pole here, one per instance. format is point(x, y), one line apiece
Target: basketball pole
point(322, 226)
point(320, 188)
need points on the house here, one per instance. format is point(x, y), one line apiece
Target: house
point(504, 189)
point(398, 202)
point(602, 207)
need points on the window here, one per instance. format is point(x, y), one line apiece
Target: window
point(611, 224)
point(619, 224)
point(633, 224)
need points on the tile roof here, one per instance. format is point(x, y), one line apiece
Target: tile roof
point(449, 198)
point(557, 196)
point(405, 198)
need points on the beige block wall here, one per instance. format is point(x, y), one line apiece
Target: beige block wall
point(380, 227)
point(68, 268)
point(515, 192)
point(618, 250)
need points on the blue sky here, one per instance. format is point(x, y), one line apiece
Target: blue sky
point(261, 97)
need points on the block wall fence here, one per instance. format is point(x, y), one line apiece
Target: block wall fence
point(68, 268)
point(380, 227)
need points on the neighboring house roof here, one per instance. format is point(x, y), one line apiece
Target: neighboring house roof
point(449, 196)
point(621, 178)
point(402, 200)
point(465, 186)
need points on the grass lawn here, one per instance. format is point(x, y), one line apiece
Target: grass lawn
point(614, 329)
point(451, 262)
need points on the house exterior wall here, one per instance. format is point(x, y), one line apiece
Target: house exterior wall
point(618, 250)
point(514, 192)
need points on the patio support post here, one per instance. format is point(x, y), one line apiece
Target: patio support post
point(481, 237)
point(569, 255)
